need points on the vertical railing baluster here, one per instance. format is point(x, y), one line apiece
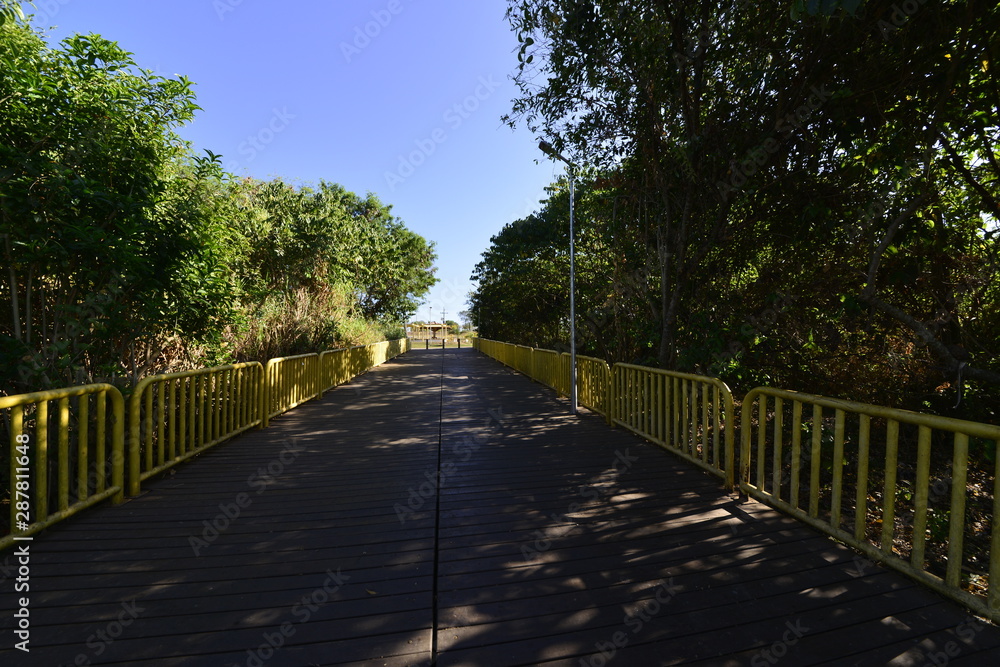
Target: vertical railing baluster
point(761, 440)
point(63, 465)
point(889, 489)
point(836, 493)
point(42, 461)
point(795, 479)
point(100, 452)
point(814, 468)
point(920, 494)
point(779, 425)
point(161, 411)
point(716, 426)
point(148, 435)
point(172, 413)
point(861, 494)
point(956, 528)
point(83, 448)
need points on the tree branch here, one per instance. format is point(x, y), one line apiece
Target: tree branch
point(927, 336)
point(890, 233)
point(968, 177)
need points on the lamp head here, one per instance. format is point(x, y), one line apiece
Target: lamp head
point(547, 148)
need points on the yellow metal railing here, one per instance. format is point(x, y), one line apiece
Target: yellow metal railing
point(176, 416)
point(290, 381)
point(549, 368)
point(553, 370)
point(863, 474)
point(496, 350)
point(593, 384)
point(523, 356)
point(891, 483)
point(335, 368)
point(691, 415)
point(81, 469)
point(505, 353)
point(338, 367)
point(170, 419)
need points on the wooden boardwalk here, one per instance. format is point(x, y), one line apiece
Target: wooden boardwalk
point(443, 510)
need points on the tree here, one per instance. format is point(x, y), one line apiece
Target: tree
point(125, 254)
point(96, 252)
point(836, 163)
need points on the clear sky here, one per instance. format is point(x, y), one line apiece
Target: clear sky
point(401, 98)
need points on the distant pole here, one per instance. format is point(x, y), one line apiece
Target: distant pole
point(547, 148)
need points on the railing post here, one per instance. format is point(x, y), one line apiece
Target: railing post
point(134, 465)
point(612, 392)
point(265, 394)
point(118, 446)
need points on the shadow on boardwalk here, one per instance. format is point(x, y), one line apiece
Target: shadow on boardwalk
point(443, 509)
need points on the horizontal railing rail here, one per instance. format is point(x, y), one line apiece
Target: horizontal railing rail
point(88, 434)
point(169, 419)
point(842, 458)
point(176, 416)
point(691, 415)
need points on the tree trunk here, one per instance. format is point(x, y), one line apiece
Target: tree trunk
point(12, 277)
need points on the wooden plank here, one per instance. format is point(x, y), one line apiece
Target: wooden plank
point(610, 523)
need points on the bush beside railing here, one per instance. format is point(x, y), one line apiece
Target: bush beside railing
point(858, 463)
point(170, 418)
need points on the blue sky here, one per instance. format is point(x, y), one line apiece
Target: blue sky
point(401, 98)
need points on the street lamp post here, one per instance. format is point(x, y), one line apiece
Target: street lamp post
point(547, 148)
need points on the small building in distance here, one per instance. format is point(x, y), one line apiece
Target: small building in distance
point(427, 331)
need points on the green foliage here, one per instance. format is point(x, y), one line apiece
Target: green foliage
point(802, 194)
point(318, 267)
point(125, 254)
point(93, 245)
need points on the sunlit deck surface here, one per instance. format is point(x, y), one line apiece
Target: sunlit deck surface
point(550, 540)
